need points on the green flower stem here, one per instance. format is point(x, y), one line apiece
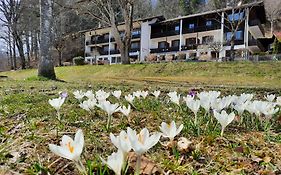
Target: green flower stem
point(108, 122)
point(138, 165)
point(80, 167)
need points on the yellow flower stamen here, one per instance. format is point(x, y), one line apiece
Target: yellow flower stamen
point(140, 137)
point(70, 148)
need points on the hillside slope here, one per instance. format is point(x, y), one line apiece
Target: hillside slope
point(264, 74)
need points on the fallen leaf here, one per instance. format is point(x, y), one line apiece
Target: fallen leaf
point(147, 166)
point(267, 159)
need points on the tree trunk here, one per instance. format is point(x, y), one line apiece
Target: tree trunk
point(10, 49)
point(27, 48)
point(124, 51)
point(271, 27)
point(232, 52)
point(46, 63)
point(19, 44)
point(60, 57)
point(14, 54)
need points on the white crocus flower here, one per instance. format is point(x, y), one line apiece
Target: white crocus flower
point(122, 142)
point(270, 98)
point(188, 99)
point(89, 104)
point(78, 95)
point(144, 94)
point(110, 109)
point(206, 104)
point(124, 110)
point(278, 101)
point(90, 94)
point(115, 162)
point(101, 95)
point(240, 108)
point(137, 94)
point(170, 130)
point(224, 119)
point(194, 106)
point(70, 149)
point(130, 98)
point(117, 94)
point(142, 142)
point(156, 94)
point(56, 103)
point(174, 97)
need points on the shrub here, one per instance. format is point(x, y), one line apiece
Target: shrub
point(181, 56)
point(79, 61)
point(151, 57)
point(277, 47)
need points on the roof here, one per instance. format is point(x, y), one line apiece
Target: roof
point(159, 17)
point(259, 3)
point(278, 35)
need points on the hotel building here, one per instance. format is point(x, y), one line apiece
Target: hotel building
point(190, 36)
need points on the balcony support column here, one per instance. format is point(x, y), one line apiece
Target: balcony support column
point(222, 52)
point(246, 34)
point(180, 35)
point(109, 47)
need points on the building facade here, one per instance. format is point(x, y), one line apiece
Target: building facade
point(204, 36)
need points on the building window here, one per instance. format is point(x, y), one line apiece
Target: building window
point(207, 39)
point(106, 36)
point(135, 45)
point(209, 23)
point(191, 26)
point(136, 32)
point(92, 49)
point(177, 28)
point(113, 60)
point(190, 41)
point(175, 43)
point(162, 45)
point(236, 16)
point(105, 48)
point(237, 36)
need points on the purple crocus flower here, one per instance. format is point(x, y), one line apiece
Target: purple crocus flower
point(63, 94)
point(192, 93)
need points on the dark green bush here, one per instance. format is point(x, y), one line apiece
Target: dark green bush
point(79, 61)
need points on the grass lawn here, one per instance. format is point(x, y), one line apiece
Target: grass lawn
point(238, 74)
point(28, 123)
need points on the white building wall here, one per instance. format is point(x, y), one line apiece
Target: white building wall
point(145, 40)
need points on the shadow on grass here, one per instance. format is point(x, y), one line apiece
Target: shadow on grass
point(40, 78)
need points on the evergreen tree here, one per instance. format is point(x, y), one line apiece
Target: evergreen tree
point(277, 47)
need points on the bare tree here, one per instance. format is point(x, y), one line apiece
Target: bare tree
point(233, 19)
point(111, 13)
point(11, 10)
point(216, 46)
point(46, 63)
point(273, 12)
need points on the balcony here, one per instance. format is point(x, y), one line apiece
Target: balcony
point(201, 29)
point(236, 42)
point(134, 49)
point(135, 36)
point(112, 52)
point(256, 45)
point(164, 34)
point(162, 50)
point(189, 47)
point(256, 28)
point(101, 40)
